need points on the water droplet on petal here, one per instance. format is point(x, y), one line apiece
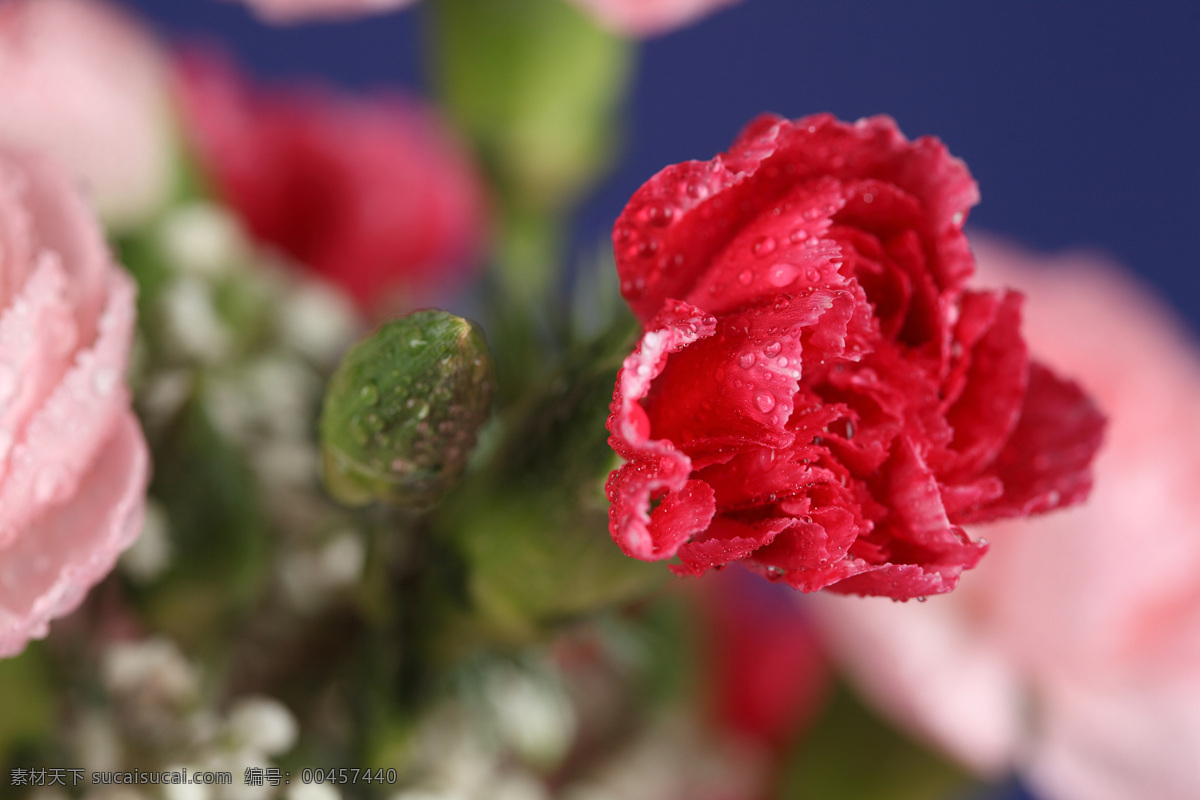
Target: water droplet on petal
point(764, 245)
point(782, 274)
point(103, 380)
point(659, 215)
point(812, 275)
point(843, 427)
point(746, 360)
point(765, 401)
point(772, 349)
point(746, 277)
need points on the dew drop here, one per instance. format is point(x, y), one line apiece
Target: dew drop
point(765, 401)
point(746, 360)
point(843, 427)
point(812, 275)
point(798, 236)
point(369, 394)
point(922, 599)
point(772, 349)
point(764, 245)
point(103, 381)
point(659, 215)
point(746, 277)
point(782, 274)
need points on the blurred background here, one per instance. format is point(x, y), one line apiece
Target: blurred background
point(1078, 120)
point(1079, 123)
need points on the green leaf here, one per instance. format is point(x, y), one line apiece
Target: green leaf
point(852, 754)
point(26, 699)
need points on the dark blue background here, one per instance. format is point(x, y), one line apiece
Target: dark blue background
point(1080, 120)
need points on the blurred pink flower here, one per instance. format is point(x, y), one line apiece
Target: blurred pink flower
point(73, 463)
point(1073, 653)
point(649, 17)
point(375, 194)
point(82, 81)
point(287, 11)
point(628, 17)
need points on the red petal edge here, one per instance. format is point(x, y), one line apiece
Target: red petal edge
point(655, 469)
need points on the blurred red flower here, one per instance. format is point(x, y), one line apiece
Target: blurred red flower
point(816, 392)
point(768, 674)
point(376, 194)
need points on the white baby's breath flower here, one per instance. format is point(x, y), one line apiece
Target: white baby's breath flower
point(186, 791)
point(318, 321)
point(153, 669)
point(311, 577)
point(313, 791)
point(97, 742)
point(163, 395)
point(263, 724)
point(532, 713)
point(151, 552)
point(192, 326)
point(203, 239)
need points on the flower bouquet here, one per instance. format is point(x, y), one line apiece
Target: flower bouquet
point(327, 471)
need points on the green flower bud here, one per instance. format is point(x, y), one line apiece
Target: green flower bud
point(403, 408)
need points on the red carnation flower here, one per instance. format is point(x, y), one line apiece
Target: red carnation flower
point(816, 393)
point(374, 193)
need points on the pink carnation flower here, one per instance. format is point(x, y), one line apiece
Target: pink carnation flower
point(73, 463)
point(628, 17)
point(1073, 654)
point(80, 80)
point(649, 17)
point(286, 11)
